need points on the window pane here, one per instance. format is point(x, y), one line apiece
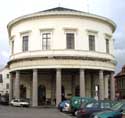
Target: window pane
point(7, 86)
point(7, 75)
point(12, 47)
point(70, 40)
point(1, 78)
point(91, 42)
point(25, 43)
point(46, 37)
point(107, 45)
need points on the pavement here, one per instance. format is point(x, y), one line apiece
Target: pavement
point(21, 112)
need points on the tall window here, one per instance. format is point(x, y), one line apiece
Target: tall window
point(107, 45)
point(12, 44)
point(7, 86)
point(7, 76)
point(91, 42)
point(25, 43)
point(46, 37)
point(1, 78)
point(70, 40)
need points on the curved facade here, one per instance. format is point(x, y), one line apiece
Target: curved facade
point(59, 53)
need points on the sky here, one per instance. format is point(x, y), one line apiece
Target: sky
point(113, 9)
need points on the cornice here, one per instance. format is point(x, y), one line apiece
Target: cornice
point(63, 57)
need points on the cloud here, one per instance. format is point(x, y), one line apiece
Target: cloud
point(5, 54)
point(120, 57)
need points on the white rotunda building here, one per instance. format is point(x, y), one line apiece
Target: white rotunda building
point(59, 53)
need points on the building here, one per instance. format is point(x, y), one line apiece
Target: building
point(120, 82)
point(4, 80)
point(59, 53)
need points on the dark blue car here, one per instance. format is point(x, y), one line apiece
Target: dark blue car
point(116, 111)
point(92, 107)
point(61, 105)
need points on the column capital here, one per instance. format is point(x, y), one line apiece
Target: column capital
point(58, 69)
point(35, 70)
point(101, 70)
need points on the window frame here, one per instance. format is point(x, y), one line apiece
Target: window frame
point(12, 46)
point(48, 45)
point(107, 43)
point(91, 42)
point(25, 45)
point(72, 41)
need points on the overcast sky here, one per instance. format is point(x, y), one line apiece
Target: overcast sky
point(113, 9)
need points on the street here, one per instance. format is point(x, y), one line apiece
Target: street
point(19, 112)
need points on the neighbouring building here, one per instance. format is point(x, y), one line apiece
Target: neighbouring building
point(4, 81)
point(120, 83)
point(58, 53)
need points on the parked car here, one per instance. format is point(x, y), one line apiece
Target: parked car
point(92, 107)
point(4, 100)
point(64, 105)
point(20, 103)
point(116, 111)
point(76, 102)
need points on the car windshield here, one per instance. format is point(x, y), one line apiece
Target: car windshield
point(117, 106)
point(92, 105)
point(22, 100)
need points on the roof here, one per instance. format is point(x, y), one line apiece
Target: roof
point(60, 9)
point(121, 73)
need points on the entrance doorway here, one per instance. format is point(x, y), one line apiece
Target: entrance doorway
point(22, 91)
point(63, 93)
point(41, 95)
point(77, 91)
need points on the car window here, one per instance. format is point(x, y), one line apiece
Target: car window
point(92, 105)
point(117, 106)
point(102, 105)
point(107, 105)
point(123, 107)
point(22, 100)
point(15, 100)
point(96, 105)
point(89, 105)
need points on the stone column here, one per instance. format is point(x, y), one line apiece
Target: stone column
point(101, 85)
point(112, 86)
point(58, 86)
point(52, 89)
point(17, 85)
point(82, 83)
point(11, 88)
point(35, 88)
point(106, 86)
